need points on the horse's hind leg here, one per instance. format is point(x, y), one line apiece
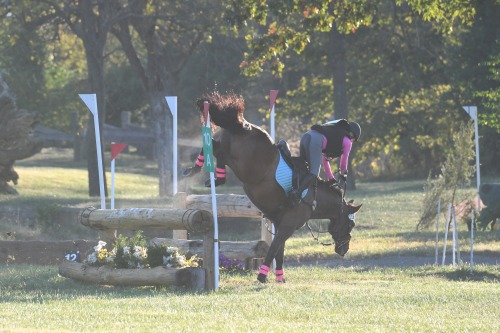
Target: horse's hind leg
point(278, 243)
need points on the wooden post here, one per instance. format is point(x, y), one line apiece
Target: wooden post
point(209, 259)
point(179, 201)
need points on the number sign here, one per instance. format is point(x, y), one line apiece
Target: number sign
point(209, 163)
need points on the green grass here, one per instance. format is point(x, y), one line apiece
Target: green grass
point(315, 299)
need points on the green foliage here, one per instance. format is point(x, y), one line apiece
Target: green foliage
point(455, 173)
point(491, 98)
point(126, 247)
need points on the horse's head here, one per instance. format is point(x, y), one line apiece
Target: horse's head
point(340, 228)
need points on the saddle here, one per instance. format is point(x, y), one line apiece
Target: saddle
point(297, 164)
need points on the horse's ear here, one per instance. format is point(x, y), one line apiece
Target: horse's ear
point(354, 209)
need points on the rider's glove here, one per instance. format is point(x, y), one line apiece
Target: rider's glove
point(342, 176)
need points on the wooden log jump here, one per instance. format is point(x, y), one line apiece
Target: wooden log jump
point(228, 205)
point(233, 250)
point(147, 218)
point(193, 278)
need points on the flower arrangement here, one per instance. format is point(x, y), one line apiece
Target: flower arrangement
point(230, 265)
point(101, 256)
point(133, 252)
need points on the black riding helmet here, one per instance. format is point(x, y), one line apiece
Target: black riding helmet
point(355, 129)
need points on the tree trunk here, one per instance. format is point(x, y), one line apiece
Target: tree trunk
point(95, 65)
point(162, 126)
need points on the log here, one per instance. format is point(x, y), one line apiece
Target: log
point(228, 205)
point(147, 218)
point(191, 278)
point(233, 250)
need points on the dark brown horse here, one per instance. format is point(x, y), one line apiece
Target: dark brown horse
point(249, 151)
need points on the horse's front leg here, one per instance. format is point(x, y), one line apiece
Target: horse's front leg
point(283, 232)
point(280, 259)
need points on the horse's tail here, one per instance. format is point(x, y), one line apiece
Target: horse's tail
point(226, 111)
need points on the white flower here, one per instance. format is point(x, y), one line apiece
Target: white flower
point(181, 261)
point(126, 250)
point(99, 246)
point(92, 258)
point(140, 252)
point(172, 249)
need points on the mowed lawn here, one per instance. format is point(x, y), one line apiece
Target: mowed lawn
point(315, 298)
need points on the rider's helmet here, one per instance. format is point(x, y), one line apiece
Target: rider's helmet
point(355, 129)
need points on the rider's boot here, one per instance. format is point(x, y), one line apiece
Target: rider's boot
point(296, 194)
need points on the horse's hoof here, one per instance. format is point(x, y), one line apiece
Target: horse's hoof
point(191, 171)
point(262, 278)
point(218, 181)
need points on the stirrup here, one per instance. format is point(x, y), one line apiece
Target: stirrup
point(191, 171)
point(218, 181)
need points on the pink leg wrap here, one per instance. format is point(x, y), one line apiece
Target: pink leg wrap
point(200, 160)
point(220, 172)
point(280, 275)
point(264, 269)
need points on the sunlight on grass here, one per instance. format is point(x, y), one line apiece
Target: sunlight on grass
point(419, 299)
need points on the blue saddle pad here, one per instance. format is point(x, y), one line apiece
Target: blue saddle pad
point(284, 176)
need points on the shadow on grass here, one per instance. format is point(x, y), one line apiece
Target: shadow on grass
point(462, 273)
point(39, 284)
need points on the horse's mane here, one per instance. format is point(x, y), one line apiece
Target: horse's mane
point(226, 111)
point(335, 187)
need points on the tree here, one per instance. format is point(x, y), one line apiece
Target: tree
point(169, 33)
point(291, 27)
point(16, 138)
point(91, 22)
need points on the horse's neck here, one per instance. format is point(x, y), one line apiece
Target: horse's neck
point(251, 154)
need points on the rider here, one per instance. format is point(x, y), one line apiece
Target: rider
point(220, 170)
point(321, 144)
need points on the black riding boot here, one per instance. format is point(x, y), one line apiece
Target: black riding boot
point(296, 194)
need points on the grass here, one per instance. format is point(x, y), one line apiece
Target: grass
point(314, 299)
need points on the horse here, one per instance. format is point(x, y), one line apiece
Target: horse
point(253, 157)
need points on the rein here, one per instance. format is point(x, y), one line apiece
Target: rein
point(316, 238)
